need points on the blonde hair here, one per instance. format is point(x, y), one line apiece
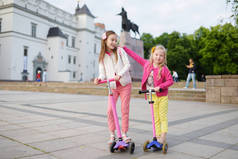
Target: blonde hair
point(104, 45)
point(164, 63)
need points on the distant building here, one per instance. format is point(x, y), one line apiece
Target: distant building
point(35, 35)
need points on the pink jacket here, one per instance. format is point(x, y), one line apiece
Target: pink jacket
point(164, 82)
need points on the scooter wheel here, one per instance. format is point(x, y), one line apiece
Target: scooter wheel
point(112, 147)
point(165, 148)
point(145, 146)
point(131, 147)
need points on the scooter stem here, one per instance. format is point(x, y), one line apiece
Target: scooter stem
point(115, 116)
point(109, 87)
point(153, 119)
point(152, 113)
point(114, 110)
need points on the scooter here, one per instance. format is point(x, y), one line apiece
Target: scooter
point(154, 144)
point(118, 145)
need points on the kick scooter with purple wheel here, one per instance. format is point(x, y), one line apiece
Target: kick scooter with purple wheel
point(118, 145)
point(154, 145)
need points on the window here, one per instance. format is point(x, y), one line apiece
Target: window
point(25, 52)
point(73, 42)
point(67, 39)
point(81, 77)
point(74, 59)
point(74, 74)
point(95, 48)
point(0, 25)
point(33, 29)
point(69, 59)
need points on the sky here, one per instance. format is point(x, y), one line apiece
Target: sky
point(155, 16)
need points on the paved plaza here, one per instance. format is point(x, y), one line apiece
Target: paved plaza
point(37, 125)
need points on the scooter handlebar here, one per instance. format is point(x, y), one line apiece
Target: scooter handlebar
point(147, 91)
point(105, 81)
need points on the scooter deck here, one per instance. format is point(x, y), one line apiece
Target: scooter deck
point(155, 144)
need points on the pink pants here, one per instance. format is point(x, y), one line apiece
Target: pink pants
point(125, 94)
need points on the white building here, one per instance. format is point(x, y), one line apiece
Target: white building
point(35, 35)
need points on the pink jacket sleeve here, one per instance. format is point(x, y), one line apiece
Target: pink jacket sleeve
point(168, 79)
point(134, 55)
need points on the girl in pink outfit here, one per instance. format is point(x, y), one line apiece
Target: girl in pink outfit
point(113, 63)
point(156, 76)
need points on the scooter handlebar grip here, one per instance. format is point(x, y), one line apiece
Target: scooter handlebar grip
point(147, 91)
point(105, 81)
point(143, 91)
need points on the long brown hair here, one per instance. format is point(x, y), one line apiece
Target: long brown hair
point(159, 47)
point(104, 46)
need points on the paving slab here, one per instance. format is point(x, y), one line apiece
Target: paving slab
point(36, 125)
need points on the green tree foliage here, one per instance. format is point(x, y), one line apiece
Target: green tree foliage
point(214, 50)
point(163, 39)
point(220, 52)
point(179, 50)
point(234, 9)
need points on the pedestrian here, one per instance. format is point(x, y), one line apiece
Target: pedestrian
point(44, 76)
point(175, 76)
point(38, 76)
point(191, 73)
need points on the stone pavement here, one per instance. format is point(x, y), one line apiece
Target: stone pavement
point(37, 125)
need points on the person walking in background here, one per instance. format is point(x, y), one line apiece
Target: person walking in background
point(175, 76)
point(44, 75)
point(38, 76)
point(203, 78)
point(191, 73)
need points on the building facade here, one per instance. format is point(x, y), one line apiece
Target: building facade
point(37, 36)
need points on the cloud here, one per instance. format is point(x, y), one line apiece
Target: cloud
point(154, 16)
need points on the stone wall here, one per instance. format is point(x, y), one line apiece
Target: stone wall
point(90, 88)
point(222, 89)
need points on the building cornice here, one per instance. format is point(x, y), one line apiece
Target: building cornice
point(22, 34)
point(44, 17)
point(86, 29)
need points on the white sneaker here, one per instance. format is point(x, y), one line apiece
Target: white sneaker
point(126, 138)
point(112, 139)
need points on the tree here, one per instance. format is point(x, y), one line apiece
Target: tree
point(199, 43)
point(179, 51)
point(214, 50)
point(162, 39)
point(220, 52)
point(234, 9)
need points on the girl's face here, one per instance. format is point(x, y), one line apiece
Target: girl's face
point(111, 42)
point(158, 56)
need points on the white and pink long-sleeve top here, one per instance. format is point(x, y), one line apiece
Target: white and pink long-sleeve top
point(109, 67)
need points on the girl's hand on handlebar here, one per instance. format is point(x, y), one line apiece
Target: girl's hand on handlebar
point(96, 80)
point(117, 77)
point(157, 89)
